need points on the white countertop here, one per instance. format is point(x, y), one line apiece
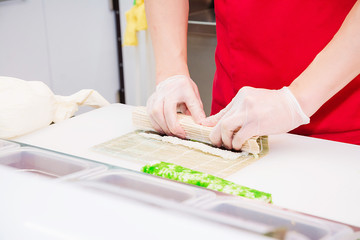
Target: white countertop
point(309, 175)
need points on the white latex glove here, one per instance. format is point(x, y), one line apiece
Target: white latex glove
point(175, 93)
point(255, 112)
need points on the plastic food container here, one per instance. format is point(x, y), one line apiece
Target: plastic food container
point(5, 145)
point(48, 164)
point(147, 188)
point(269, 220)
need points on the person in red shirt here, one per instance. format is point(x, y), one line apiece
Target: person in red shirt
point(277, 64)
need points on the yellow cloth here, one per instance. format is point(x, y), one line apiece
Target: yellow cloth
point(135, 21)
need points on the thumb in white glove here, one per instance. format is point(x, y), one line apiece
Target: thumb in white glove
point(255, 112)
point(178, 92)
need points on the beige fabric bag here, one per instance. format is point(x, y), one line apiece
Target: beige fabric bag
point(26, 106)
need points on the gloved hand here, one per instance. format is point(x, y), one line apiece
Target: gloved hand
point(255, 112)
point(178, 92)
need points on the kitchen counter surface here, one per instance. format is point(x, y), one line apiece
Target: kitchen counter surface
point(308, 175)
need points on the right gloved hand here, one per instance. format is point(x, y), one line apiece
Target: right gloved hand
point(255, 112)
point(175, 93)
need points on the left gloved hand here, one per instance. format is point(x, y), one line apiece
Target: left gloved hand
point(255, 112)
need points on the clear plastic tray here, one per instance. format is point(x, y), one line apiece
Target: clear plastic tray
point(147, 187)
point(48, 164)
point(4, 145)
point(268, 219)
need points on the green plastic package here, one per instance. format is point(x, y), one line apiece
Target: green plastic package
point(186, 175)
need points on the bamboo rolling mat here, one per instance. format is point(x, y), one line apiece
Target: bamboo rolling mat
point(192, 130)
point(134, 147)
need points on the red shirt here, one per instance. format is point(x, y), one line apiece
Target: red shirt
point(267, 44)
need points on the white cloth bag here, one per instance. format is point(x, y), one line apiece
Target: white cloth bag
point(26, 106)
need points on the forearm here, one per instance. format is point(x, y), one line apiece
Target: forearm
point(167, 21)
point(333, 68)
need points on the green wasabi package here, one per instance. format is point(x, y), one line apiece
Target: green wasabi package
point(189, 176)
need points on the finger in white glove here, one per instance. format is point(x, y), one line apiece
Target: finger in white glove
point(178, 92)
point(255, 112)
